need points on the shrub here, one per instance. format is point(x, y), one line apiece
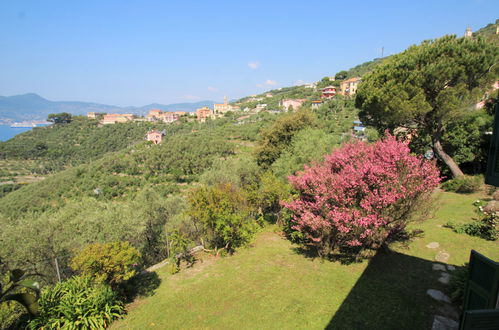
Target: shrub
point(463, 184)
point(111, 263)
point(486, 226)
point(361, 195)
point(77, 303)
point(224, 214)
point(277, 137)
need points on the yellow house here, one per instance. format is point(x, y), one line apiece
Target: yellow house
point(349, 86)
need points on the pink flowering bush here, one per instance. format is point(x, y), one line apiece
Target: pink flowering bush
point(360, 195)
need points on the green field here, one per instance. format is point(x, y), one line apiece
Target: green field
point(270, 285)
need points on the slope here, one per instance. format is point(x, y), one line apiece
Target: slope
point(271, 285)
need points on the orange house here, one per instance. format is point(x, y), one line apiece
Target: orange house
point(203, 113)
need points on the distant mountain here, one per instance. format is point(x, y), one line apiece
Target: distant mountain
point(34, 107)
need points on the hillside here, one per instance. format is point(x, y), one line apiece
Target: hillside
point(489, 33)
point(34, 107)
point(57, 146)
point(117, 188)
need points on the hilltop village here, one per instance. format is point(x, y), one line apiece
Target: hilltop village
point(345, 87)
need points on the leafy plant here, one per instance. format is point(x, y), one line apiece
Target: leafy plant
point(224, 214)
point(179, 250)
point(111, 263)
point(77, 303)
point(18, 279)
point(486, 227)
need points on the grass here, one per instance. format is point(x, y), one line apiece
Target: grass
point(269, 285)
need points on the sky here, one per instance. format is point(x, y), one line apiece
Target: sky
point(133, 53)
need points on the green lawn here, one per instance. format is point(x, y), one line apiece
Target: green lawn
point(271, 286)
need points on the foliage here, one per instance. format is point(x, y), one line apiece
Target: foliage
point(309, 144)
point(486, 226)
point(241, 171)
point(12, 290)
point(224, 214)
point(465, 139)
point(463, 184)
point(277, 137)
point(60, 118)
point(366, 67)
point(58, 146)
point(267, 194)
point(7, 188)
point(361, 195)
point(111, 263)
point(336, 116)
point(77, 303)
point(178, 247)
point(428, 87)
point(341, 75)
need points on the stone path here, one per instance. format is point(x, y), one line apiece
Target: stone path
point(441, 322)
point(433, 245)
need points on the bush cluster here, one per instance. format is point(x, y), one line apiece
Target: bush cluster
point(463, 184)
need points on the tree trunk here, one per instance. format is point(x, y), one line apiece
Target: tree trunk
point(451, 164)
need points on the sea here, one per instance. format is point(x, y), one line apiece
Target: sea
point(7, 132)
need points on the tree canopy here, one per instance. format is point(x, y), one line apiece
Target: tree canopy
point(429, 86)
point(60, 118)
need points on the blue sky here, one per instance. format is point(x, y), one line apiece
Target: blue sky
point(140, 52)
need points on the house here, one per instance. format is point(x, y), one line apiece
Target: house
point(328, 92)
point(180, 113)
point(259, 107)
point(168, 117)
point(114, 118)
point(268, 95)
point(316, 104)
point(349, 86)
point(203, 113)
point(482, 103)
point(221, 108)
point(155, 136)
point(153, 115)
point(91, 115)
point(291, 103)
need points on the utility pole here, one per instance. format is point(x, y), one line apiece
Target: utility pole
point(382, 51)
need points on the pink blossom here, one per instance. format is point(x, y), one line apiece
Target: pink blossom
point(353, 196)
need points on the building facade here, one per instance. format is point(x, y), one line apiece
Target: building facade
point(221, 108)
point(155, 136)
point(294, 104)
point(203, 113)
point(349, 86)
point(114, 118)
point(328, 92)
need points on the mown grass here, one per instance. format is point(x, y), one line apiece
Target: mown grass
point(270, 285)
